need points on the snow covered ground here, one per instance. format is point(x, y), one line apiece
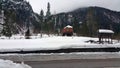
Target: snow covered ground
point(11, 64)
point(18, 43)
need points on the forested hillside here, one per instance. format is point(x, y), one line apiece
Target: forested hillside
point(19, 16)
point(86, 21)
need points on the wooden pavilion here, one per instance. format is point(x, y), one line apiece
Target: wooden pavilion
point(105, 36)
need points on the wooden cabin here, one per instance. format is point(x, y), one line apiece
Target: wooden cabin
point(67, 31)
point(105, 36)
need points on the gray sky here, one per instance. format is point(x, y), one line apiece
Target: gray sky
point(68, 5)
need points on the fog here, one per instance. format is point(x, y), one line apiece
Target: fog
point(58, 6)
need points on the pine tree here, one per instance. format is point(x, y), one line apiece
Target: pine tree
point(27, 34)
point(48, 10)
point(0, 4)
point(7, 26)
point(48, 19)
point(41, 21)
point(41, 15)
point(76, 25)
point(91, 23)
point(7, 30)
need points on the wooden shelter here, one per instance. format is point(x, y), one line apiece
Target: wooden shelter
point(105, 36)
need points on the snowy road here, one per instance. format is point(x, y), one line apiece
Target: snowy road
point(67, 60)
point(89, 63)
point(60, 56)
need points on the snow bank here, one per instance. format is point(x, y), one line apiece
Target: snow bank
point(10, 64)
point(42, 43)
point(50, 43)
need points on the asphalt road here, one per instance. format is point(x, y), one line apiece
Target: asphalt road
point(67, 60)
point(79, 63)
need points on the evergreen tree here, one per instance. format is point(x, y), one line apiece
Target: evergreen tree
point(41, 21)
point(41, 15)
point(0, 4)
point(48, 10)
point(7, 25)
point(27, 34)
point(55, 22)
point(7, 30)
point(76, 25)
point(48, 20)
point(91, 23)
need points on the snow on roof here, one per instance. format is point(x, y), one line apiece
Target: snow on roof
point(105, 31)
point(68, 26)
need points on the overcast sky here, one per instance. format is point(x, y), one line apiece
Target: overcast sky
point(69, 5)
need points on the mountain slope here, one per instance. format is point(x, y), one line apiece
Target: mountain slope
point(86, 21)
point(19, 14)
